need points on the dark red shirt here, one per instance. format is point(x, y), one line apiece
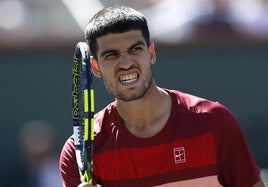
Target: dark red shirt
point(200, 145)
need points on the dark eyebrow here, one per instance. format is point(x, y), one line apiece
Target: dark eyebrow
point(117, 51)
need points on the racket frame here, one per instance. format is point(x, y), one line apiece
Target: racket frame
point(83, 110)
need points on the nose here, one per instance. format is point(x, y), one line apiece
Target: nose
point(125, 60)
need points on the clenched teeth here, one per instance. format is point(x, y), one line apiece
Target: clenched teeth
point(128, 78)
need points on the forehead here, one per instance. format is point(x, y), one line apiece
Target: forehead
point(119, 41)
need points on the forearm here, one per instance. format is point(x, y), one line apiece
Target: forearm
point(259, 184)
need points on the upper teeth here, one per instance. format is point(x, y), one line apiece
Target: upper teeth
point(128, 78)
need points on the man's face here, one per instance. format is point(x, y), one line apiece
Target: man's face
point(125, 64)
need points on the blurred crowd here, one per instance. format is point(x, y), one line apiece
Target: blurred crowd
point(204, 21)
point(37, 140)
point(170, 21)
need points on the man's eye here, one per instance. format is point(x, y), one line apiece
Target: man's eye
point(135, 49)
point(111, 56)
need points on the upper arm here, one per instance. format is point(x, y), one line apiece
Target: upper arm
point(68, 165)
point(236, 165)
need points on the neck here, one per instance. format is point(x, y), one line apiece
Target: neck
point(146, 116)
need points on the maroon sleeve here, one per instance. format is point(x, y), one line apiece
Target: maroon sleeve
point(236, 166)
point(68, 166)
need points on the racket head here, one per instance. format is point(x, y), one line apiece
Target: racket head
point(83, 110)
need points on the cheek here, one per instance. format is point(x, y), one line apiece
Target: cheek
point(107, 72)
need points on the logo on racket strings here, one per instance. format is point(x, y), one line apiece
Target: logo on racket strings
point(75, 88)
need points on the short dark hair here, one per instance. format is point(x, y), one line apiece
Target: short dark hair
point(115, 19)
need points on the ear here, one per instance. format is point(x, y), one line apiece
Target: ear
point(152, 53)
point(95, 67)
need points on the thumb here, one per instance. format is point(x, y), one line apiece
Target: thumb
point(87, 185)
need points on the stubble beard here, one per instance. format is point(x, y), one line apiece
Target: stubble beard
point(133, 93)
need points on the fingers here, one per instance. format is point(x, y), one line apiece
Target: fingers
point(88, 185)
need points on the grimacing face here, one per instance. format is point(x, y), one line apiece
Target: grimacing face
point(125, 64)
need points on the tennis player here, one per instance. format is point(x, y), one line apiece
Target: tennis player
point(152, 136)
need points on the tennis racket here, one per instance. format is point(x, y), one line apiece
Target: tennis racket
point(83, 110)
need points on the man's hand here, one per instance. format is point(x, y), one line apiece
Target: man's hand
point(88, 185)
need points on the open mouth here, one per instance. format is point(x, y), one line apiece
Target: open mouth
point(126, 79)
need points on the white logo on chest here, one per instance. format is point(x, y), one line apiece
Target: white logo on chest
point(179, 155)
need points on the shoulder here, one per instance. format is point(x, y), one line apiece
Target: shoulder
point(219, 116)
point(196, 104)
point(68, 150)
